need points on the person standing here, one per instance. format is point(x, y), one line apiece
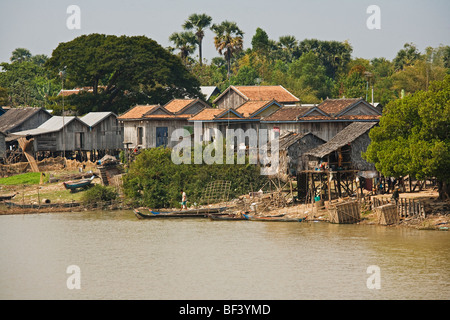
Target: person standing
point(183, 200)
point(396, 195)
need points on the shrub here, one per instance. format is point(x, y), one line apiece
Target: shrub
point(99, 193)
point(155, 181)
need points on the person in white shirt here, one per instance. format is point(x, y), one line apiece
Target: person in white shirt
point(183, 199)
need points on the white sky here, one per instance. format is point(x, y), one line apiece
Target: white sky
point(39, 25)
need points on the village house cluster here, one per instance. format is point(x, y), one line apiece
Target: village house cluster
point(332, 133)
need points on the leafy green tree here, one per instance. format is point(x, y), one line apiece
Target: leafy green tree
point(27, 81)
point(417, 76)
point(246, 76)
point(155, 181)
point(228, 40)
point(334, 55)
point(260, 41)
point(406, 56)
point(4, 98)
point(123, 71)
point(198, 22)
point(413, 137)
point(311, 73)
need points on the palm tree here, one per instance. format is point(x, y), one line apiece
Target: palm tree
point(228, 40)
point(288, 44)
point(20, 55)
point(185, 42)
point(199, 22)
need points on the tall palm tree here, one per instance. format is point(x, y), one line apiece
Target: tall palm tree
point(288, 44)
point(20, 55)
point(228, 40)
point(199, 22)
point(185, 42)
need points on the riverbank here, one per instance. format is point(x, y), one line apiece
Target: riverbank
point(53, 197)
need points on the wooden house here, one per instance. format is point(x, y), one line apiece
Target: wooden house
point(19, 119)
point(2, 146)
point(246, 116)
point(343, 151)
point(152, 125)
point(292, 149)
point(235, 96)
point(2, 111)
point(105, 132)
point(333, 167)
point(59, 135)
point(324, 120)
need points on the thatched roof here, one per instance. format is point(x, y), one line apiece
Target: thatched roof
point(346, 136)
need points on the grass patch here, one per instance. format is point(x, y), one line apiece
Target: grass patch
point(24, 178)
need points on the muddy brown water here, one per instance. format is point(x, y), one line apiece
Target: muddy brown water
point(121, 257)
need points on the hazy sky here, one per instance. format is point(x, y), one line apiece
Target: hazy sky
point(40, 25)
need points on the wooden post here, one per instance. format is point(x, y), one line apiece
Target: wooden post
point(39, 198)
point(329, 187)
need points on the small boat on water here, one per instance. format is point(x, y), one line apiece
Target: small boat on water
point(146, 213)
point(280, 218)
point(72, 185)
point(232, 216)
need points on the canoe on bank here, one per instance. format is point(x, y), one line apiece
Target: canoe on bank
point(72, 185)
point(145, 213)
point(273, 218)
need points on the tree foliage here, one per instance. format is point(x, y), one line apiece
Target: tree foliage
point(123, 71)
point(413, 137)
point(155, 181)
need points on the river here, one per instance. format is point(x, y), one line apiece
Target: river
point(121, 257)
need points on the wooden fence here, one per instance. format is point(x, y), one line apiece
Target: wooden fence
point(406, 208)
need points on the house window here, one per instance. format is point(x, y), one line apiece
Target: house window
point(140, 135)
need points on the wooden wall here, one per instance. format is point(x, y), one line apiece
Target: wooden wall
point(324, 130)
point(34, 121)
point(2, 146)
point(107, 134)
point(230, 100)
point(54, 141)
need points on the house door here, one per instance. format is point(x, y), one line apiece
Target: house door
point(79, 140)
point(140, 135)
point(162, 136)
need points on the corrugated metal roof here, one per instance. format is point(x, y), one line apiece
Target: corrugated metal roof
point(92, 118)
point(345, 136)
point(208, 91)
point(53, 124)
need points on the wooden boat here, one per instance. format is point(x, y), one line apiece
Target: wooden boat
point(7, 197)
point(231, 216)
point(146, 213)
point(273, 218)
point(72, 185)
